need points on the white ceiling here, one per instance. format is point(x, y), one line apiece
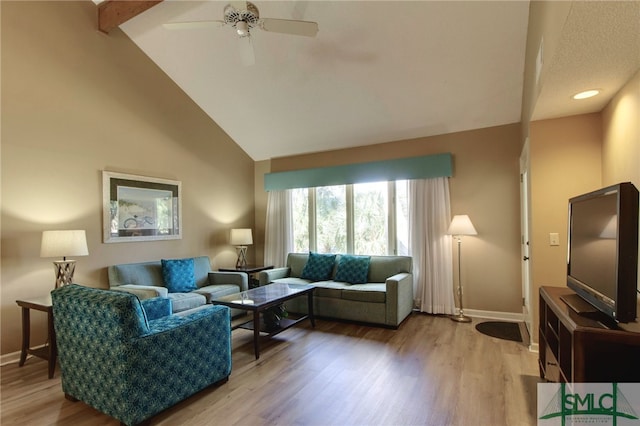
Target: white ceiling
point(378, 71)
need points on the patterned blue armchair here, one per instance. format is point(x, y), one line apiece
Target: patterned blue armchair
point(117, 357)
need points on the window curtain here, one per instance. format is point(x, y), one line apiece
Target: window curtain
point(278, 241)
point(430, 246)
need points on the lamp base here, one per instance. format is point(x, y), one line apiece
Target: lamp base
point(460, 318)
point(64, 272)
point(241, 262)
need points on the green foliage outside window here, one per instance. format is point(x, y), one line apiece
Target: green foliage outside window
point(353, 219)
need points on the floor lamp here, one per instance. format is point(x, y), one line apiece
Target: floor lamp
point(460, 225)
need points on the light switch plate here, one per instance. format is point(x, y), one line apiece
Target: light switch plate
point(554, 239)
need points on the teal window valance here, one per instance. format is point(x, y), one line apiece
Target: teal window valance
point(425, 167)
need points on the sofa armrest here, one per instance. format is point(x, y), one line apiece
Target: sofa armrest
point(266, 277)
point(143, 291)
point(157, 307)
point(238, 278)
point(399, 298)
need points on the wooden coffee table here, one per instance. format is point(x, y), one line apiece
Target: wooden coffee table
point(258, 299)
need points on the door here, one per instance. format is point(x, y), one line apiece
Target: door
point(524, 240)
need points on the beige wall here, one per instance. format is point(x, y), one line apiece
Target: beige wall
point(261, 167)
point(565, 162)
point(76, 102)
point(485, 186)
point(571, 156)
point(621, 141)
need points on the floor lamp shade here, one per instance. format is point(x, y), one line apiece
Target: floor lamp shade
point(241, 238)
point(461, 225)
point(63, 244)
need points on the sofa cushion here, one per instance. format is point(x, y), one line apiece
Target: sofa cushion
point(372, 293)
point(214, 291)
point(319, 267)
point(331, 289)
point(184, 301)
point(178, 275)
point(292, 280)
point(353, 269)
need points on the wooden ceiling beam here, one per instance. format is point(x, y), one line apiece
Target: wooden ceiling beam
point(113, 13)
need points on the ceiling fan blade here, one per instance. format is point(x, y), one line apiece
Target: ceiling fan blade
point(285, 26)
point(246, 51)
point(192, 25)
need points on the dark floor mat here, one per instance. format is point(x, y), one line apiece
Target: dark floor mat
point(501, 330)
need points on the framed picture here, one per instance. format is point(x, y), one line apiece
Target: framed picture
point(138, 208)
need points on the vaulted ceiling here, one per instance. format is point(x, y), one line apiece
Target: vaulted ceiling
point(381, 71)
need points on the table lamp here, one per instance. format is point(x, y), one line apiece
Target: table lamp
point(460, 225)
point(63, 244)
point(241, 238)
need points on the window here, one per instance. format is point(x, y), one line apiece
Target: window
point(331, 219)
point(368, 218)
point(301, 225)
point(402, 217)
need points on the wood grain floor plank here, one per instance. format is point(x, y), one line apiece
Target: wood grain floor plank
point(432, 371)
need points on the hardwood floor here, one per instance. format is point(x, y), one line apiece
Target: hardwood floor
point(432, 371)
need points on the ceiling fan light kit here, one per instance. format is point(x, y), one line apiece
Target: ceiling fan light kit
point(241, 19)
point(244, 16)
point(242, 28)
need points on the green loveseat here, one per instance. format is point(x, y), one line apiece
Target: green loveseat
point(146, 280)
point(385, 299)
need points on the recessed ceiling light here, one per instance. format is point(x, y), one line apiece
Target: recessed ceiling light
point(586, 94)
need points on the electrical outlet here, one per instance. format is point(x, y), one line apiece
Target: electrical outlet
point(554, 239)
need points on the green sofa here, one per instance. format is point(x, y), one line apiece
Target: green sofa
point(146, 280)
point(385, 299)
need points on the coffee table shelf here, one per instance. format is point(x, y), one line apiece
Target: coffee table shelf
point(258, 299)
point(285, 323)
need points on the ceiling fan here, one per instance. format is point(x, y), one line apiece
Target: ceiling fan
point(244, 17)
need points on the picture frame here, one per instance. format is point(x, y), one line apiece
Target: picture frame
point(140, 208)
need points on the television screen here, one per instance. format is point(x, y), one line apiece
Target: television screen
point(602, 265)
point(593, 243)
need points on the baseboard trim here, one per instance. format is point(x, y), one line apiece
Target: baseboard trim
point(504, 316)
point(12, 358)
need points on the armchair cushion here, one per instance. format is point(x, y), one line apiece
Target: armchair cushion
point(178, 275)
point(157, 307)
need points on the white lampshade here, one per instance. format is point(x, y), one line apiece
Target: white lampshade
point(64, 243)
point(241, 237)
point(461, 225)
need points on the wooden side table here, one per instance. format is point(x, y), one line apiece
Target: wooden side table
point(249, 270)
point(49, 351)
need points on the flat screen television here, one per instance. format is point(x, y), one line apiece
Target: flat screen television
point(602, 265)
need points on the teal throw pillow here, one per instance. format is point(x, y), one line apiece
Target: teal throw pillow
point(178, 275)
point(319, 267)
point(353, 269)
